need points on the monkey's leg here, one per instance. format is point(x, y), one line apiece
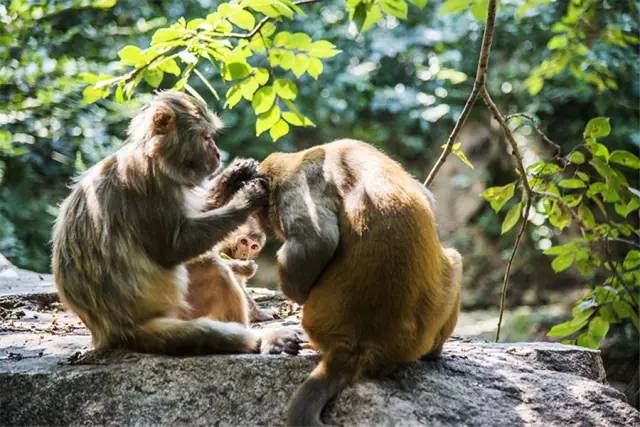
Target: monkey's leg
point(203, 336)
point(447, 329)
point(193, 337)
point(257, 314)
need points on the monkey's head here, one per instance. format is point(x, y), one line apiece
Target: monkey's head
point(177, 132)
point(245, 242)
point(249, 240)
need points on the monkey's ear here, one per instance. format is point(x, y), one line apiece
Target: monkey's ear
point(162, 120)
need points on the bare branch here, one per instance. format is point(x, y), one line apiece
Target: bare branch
point(536, 125)
point(478, 86)
point(507, 273)
point(510, 139)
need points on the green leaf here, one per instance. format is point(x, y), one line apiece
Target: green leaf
point(298, 41)
point(576, 157)
point(588, 340)
point(373, 16)
point(597, 149)
point(623, 309)
point(454, 6)
point(557, 42)
point(261, 75)
point(315, 67)
point(280, 129)
point(397, 8)
point(164, 35)
point(561, 249)
point(479, 9)
point(598, 327)
point(632, 260)
point(285, 89)
point(267, 120)
point(242, 19)
point(572, 326)
point(572, 183)
point(233, 96)
point(296, 119)
point(131, 55)
point(597, 127)
point(153, 77)
point(300, 64)
point(455, 149)
point(512, 217)
point(498, 196)
point(236, 70)
point(562, 262)
point(263, 99)
point(170, 66)
point(625, 158)
point(587, 216)
point(323, 49)
point(90, 94)
point(419, 3)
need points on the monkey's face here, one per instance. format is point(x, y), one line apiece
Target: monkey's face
point(247, 246)
point(182, 137)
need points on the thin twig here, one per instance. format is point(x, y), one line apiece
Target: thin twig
point(510, 139)
point(478, 85)
point(536, 125)
point(507, 273)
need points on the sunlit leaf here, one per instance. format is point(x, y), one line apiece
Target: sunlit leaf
point(512, 217)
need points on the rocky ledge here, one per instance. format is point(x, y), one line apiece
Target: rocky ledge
point(47, 377)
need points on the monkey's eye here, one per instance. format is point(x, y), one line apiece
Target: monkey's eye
point(254, 246)
point(244, 241)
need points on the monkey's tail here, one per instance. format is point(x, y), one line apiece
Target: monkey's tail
point(311, 397)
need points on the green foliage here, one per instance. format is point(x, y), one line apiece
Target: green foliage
point(572, 46)
point(243, 42)
point(588, 189)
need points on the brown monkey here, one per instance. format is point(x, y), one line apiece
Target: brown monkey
point(131, 222)
point(217, 279)
point(361, 252)
point(239, 250)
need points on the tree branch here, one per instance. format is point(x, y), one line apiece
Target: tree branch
point(536, 125)
point(478, 86)
point(507, 273)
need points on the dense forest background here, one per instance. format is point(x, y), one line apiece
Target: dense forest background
point(399, 87)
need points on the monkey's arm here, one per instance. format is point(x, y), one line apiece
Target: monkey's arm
point(245, 269)
point(197, 234)
point(225, 184)
point(312, 235)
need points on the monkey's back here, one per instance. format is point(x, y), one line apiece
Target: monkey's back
point(381, 294)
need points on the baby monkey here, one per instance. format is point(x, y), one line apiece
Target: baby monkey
point(218, 279)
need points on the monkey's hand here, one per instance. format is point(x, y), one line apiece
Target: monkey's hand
point(275, 341)
point(253, 195)
point(244, 268)
point(225, 185)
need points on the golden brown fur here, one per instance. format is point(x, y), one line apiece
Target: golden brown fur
point(218, 287)
point(361, 252)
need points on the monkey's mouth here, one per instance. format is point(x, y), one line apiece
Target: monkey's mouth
point(212, 147)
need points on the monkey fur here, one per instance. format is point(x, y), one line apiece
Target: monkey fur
point(217, 279)
point(361, 252)
point(122, 236)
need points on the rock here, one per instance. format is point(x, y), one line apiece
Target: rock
point(474, 383)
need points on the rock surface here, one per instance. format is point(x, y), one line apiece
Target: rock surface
point(474, 383)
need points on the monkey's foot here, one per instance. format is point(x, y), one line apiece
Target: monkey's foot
point(280, 340)
point(263, 315)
